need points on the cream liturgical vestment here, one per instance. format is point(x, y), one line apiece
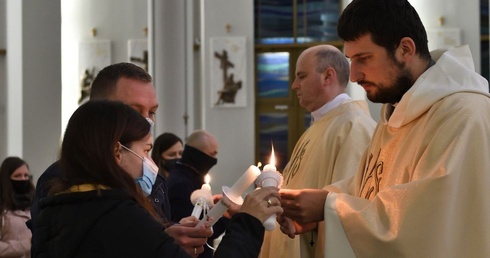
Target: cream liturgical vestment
point(423, 187)
point(328, 151)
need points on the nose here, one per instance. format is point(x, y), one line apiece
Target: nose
point(355, 74)
point(295, 84)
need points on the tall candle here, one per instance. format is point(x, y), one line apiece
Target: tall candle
point(241, 185)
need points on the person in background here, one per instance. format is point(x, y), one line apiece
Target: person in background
point(132, 85)
point(199, 156)
point(97, 207)
point(16, 195)
point(330, 149)
point(167, 150)
point(422, 186)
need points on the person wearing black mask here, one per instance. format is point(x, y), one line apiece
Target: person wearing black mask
point(16, 195)
point(167, 150)
point(198, 158)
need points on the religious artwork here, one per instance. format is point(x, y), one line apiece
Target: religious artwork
point(443, 38)
point(93, 55)
point(138, 52)
point(228, 72)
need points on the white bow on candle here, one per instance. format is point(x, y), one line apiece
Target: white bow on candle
point(202, 198)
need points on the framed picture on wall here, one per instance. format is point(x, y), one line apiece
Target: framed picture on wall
point(138, 52)
point(93, 55)
point(228, 72)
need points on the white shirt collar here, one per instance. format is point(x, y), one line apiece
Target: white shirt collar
point(341, 98)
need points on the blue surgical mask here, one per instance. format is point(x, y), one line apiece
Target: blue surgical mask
point(150, 171)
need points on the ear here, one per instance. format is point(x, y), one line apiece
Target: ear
point(406, 49)
point(328, 76)
point(118, 153)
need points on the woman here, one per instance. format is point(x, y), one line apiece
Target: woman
point(167, 150)
point(17, 193)
point(97, 208)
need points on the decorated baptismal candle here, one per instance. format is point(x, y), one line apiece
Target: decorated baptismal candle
point(231, 195)
point(202, 198)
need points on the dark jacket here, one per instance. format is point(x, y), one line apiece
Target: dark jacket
point(107, 223)
point(182, 181)
point(158, 196)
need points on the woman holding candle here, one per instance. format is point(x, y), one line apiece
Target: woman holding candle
point(100, 211)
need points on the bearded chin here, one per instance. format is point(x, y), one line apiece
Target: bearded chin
point(393, 93)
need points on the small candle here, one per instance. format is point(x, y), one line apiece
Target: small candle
point(202, 198)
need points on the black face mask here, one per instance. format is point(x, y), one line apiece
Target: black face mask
point(21, 186)
point(198, 159)
point(168, 164)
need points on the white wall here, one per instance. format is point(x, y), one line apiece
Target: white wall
point(3, 80)
point(33, 81)
point(115, 20)
point(234, 127)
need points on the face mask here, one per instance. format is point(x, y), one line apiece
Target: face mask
point(168, 164)
point(152, 127)
point(150, 171)
point(21, 186)
point(198, 159)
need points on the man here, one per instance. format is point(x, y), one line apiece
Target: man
point(331, 148)
point(421, 189)
point(198, 158)
point(133, 86)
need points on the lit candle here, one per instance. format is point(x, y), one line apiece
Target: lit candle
point(231, 196)
point(202, 198)
point(270, 177)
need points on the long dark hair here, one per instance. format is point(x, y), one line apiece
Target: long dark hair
point(88, 150)
point(9, 200)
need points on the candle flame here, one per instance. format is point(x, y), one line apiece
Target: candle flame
point(259, 164)
point(272, 160)
point(207, 178)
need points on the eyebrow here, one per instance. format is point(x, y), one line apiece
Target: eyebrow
point(358, 54)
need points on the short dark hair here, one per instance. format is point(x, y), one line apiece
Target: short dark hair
point(87, 151)
point(8, 200)
point(387, 21)
point(105, 82)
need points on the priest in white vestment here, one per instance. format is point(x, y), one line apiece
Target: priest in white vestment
point(422, 188)
point(331, 147)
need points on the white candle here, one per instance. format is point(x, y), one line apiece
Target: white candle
point(202, 198)
point(241, 185)
point(270, 177)
point(231, 195)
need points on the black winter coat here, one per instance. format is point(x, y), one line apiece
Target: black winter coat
point(107, 223)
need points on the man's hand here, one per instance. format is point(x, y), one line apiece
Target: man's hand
point(292, 228)
point(188, 237)
point(303, 205)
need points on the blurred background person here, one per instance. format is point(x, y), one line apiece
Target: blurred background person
point(16, 195)
point(167, 150)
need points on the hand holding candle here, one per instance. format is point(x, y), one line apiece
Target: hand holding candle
point(231, 195)
point(202, 198)
point(270, 177)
